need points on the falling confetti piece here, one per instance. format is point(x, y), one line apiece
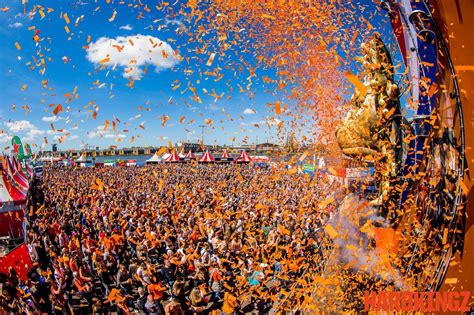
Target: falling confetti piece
point(112, 18)
point(331, 231)
point(356, 82)
point(277, 108)
point(211, 59)
point(57, 109)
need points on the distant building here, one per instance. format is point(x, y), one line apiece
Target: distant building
point(267, 147)
point(195, 147)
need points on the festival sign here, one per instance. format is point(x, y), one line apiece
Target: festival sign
point(308, 168)
point(18, 147)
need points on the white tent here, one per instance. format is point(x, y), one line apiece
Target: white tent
point(82, 158)
point(165, 156)
point(154, 159)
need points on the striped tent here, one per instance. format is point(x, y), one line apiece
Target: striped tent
point(16, 176)
point(12, 204)
point(225, 155)
point(172, 158)
point(29, 171)
point(190, 156)
point(260, 159)
point(207, 158)
point(243, 158)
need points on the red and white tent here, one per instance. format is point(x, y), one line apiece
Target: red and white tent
point(243, 158)
point(12, 204)
point(190, 156)
point(173, 158)
point(260, 159)
point(207, 158)
point(225, 155)
point(16, 176)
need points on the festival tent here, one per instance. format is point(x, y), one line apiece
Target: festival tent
point(190, 156)
point(243, 158)
point(260, 159)
point(172, 158)
point(165, 156)
point(12, 205)
point(19, 259)
point(154, 159)
point(15, 175)
point(181, 154)
point(82, 158)
point(109, 163)
point(131, 162)
point(207, 158)
point(225, 157)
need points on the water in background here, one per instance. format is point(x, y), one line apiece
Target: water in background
point(114, 158)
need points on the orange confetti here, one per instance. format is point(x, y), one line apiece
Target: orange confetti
point(57, 109)
point(356, 82)
point(211, 59)
point(277, 108)
point(331, 231)
point(97, 184)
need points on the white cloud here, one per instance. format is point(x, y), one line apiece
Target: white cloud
point(15, 25)
point(249, 111)
point(73, 137)
point(19, 125)
point(146, 50)
point(51, 118)
point(120, 135)
point(126, 27)
point(56, 132)
point(99, 132)
point(4, 137)
point(31, 132)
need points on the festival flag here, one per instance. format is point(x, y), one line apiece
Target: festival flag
point(18, 147)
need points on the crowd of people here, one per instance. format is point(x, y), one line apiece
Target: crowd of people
point(172, 239)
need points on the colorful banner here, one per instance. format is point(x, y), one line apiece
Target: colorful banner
point(19, 259)
point(27, 150)
point(18, 147)
point(308, 168)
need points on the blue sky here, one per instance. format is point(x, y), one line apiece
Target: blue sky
point(27, 106)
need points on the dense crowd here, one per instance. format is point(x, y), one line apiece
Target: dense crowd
point(172, 239)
